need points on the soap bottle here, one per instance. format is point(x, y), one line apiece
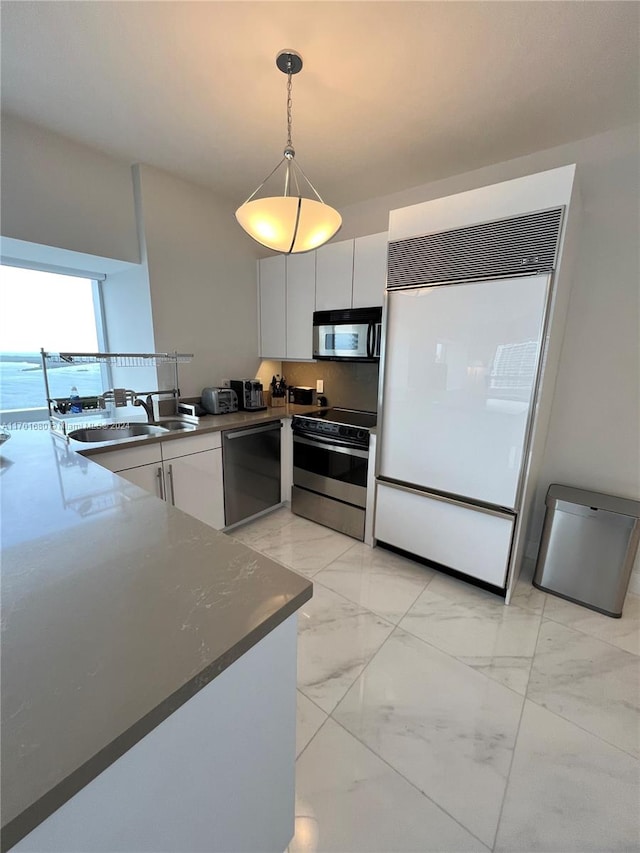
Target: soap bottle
point(74, 399)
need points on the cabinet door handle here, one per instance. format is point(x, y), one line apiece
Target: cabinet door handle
point(160, 482)
point(173, 494)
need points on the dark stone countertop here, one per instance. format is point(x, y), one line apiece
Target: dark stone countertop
point(206, 424)
point(116, 609)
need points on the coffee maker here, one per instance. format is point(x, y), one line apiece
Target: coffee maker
point(249, 393)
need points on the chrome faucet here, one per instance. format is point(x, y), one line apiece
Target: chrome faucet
point(147, 405)
point(122, 396)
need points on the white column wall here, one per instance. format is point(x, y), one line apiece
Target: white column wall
point(202, 278)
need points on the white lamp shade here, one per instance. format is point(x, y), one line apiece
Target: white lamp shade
point(289, 224)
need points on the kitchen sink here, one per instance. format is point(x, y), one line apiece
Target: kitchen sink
point(117, 432)
point(176, 425)
point(120, 432)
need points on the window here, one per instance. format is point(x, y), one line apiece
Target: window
point(60, 313)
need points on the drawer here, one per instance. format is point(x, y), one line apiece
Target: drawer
point(131, 457)
point(187, 444)
point(455, 535)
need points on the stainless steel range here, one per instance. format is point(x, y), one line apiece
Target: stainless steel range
point(330, 464)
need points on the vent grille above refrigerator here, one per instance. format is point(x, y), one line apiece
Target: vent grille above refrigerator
point(520, 245)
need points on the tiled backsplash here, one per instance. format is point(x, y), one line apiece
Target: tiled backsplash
point(350, 385)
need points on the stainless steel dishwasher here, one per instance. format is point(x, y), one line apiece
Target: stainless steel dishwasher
point(251, 465)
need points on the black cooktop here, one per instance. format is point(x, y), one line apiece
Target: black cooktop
point(340, 425)
point(351, 417)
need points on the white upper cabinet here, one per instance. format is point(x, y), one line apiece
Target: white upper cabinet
point(369, 270)
point(334, 276)
point(348, 274)
point(272, 299)
point(301, 297)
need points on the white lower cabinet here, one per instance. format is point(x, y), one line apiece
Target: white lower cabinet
point(149, 477)
point(186, 472)
point(193, 483)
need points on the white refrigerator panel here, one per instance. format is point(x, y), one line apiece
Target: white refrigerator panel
point(462, 538)
point(459, 377)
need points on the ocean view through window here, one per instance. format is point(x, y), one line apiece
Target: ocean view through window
point(51, 311)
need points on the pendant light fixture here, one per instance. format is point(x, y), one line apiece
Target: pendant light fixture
point(291, 222)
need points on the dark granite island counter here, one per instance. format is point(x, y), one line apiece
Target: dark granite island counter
point(148, 668)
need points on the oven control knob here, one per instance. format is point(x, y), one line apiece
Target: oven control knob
point(343, 430)
point(362, 434)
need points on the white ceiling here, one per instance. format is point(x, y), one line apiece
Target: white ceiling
point(393, 94)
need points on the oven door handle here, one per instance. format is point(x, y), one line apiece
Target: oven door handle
point(333, 446)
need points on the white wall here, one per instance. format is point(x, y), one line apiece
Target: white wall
point(126, 302)
point(202, 280)
point(127, 312)
point(194, 286)
point(57, 192)
point(594, 433)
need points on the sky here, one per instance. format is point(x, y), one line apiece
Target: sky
point(45, 310)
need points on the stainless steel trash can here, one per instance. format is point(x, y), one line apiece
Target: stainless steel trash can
point(589, 542)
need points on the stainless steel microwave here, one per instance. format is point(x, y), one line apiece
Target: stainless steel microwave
point(349, 335)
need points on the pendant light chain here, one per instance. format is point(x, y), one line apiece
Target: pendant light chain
point(289, 107)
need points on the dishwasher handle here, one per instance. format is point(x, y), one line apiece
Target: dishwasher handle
point(241, 433)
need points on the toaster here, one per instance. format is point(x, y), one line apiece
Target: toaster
point(219, 401)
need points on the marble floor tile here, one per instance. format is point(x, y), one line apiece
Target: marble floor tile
point(477, 628)
point(426, 708)
point(336, 639)
point(528, 597)
point(376, 579)
point(588, 682)
point(309, 718)
point(445, 727)
point(301, 545)
point(264, 525)
point(623, 632)
point(349, 801)
point(568, 791)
